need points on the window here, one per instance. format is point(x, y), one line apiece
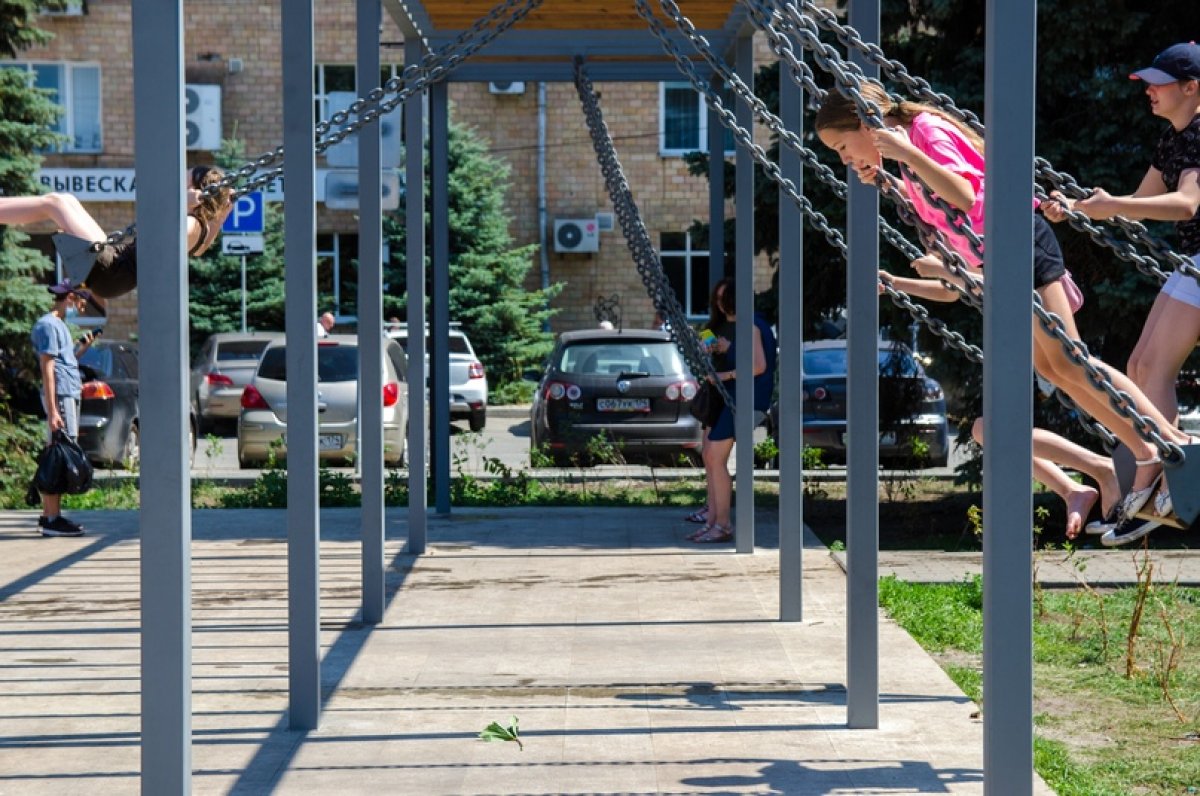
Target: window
point(76, 89)
point(341, 77)
point(337, 274)
point(687, 271)
point(683, 120)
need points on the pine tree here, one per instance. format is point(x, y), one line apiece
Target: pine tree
point(503, 319)
point(25, 130)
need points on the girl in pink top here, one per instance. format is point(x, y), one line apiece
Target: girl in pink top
point(946, 157)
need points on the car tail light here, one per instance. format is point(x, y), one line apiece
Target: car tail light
point(252, 398)
point(327, 344)
point(97, 391)
point(391, 394)
point(820, 394)
point(218, 380)
point(682, 390)
point(933, 390)
point(475, 370)
point(557, 390)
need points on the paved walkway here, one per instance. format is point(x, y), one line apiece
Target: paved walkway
point(636, 663)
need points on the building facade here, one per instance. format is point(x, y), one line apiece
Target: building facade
point(235, 83)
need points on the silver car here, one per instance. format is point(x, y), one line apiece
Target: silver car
point(263, 419)
point(224, 366)
point(468, 382)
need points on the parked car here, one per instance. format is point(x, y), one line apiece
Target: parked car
point(912, 405)
point(263, 418)
point(109, 422)
point(221, 369)
point(468, 382)
point(630, 386)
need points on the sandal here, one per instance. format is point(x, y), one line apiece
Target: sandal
point(696, 534)
point(1133, 502)
point(715, 534)
point(700, 516)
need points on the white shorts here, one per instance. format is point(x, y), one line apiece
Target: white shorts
point(1184, 288)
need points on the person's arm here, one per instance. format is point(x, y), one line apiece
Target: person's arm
point(949, 185)
point(1152, 200)
point(214, 229)
point(929, 289)
point(48, 387)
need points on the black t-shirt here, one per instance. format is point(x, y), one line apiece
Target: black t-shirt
point(1178, 151)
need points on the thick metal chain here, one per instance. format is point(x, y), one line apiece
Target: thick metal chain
point(921, 89)
point(813, 216)
point(432, 68)
point(849, 82)
point(649, 266)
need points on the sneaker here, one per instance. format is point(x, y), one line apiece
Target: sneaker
point(1129, 531)
point(59, 526)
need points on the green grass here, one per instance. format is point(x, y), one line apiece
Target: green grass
point(1098, 731)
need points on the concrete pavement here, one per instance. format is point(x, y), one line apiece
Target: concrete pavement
point(636, 663)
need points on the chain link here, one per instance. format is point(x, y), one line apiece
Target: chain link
point(649, 266)
point(433, 67)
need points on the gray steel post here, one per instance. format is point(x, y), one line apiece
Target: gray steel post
point(414, 219)
point(370, 321)
point(716, 197)
point(243, 259)
point(790, 432)
point(439, 320)
point(862, 424)
point(300, 308)
point(744, 342)
point(1010, 89)
point(165, 518)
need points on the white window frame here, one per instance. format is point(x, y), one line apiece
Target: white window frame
point(334, 255)
point(701, 111)
point(66, 99)
point(321, 91)
point(687, 253)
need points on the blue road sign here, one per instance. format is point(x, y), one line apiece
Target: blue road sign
point(247, 214)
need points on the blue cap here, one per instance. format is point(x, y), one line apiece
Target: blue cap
point(63, 288)
point(1177, 62)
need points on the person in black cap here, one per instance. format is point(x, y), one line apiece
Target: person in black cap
point(1169, 191)
point(61, 387)
point(114, 272)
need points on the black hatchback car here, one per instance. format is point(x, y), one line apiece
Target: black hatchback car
point(912, 406)
point(629, 386)
point(109, 428)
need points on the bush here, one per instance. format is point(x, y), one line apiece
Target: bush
point(21, 439)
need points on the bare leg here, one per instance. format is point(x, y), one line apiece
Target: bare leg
point(63, 209)
point(51, 505)
point(716, 462)
point(1167, 339)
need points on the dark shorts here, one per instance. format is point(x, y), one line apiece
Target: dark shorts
point(723, 428)
point(1048, 265)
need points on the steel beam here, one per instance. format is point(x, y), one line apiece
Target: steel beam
point(414, 219)
point(716, 197)
point(744, 357)
point(439, 321)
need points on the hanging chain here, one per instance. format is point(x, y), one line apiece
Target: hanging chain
point(649, 266)
point(850, 84)
point(433, 67)
point(920, 88)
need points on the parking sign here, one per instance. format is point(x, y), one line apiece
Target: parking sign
point(247, 214)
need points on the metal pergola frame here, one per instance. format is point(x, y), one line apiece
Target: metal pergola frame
point(165, 514)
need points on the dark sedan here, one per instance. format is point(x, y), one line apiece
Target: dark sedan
point(628, 387)
point(109, 428)
point(912, 408)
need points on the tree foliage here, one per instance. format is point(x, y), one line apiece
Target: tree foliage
point(25, 130)
point(504, 320)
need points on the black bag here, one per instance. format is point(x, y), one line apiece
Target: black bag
point(707, 405)
point(63, 468)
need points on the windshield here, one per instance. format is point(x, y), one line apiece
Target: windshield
point(602, 357)
point(240, 350)
point(334, 363)
point(832, 362)
point(458, 344)
point(99, 359)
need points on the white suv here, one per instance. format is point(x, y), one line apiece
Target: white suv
point(468, 382)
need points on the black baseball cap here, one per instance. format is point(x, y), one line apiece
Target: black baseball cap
point(1177, 62)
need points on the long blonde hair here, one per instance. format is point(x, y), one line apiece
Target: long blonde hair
point(837, 112)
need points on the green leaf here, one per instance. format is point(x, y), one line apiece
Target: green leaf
point(498, 732)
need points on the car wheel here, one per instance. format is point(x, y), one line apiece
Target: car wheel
point(246, 464)
point(132, 452)
point(695, 457)
point(478, 419)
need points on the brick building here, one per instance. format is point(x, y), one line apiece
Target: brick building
point(236, 47)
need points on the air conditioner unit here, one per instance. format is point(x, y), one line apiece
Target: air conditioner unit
point(576, 235)
point(203, 108)
point(506, 87)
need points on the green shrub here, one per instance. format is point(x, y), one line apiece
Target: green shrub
point(21, 439)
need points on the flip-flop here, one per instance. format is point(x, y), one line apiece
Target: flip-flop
point(700, 516)
point(696, 534)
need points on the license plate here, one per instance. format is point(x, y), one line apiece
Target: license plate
point(886, 438)
point(330, 442)
point(622, 404)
